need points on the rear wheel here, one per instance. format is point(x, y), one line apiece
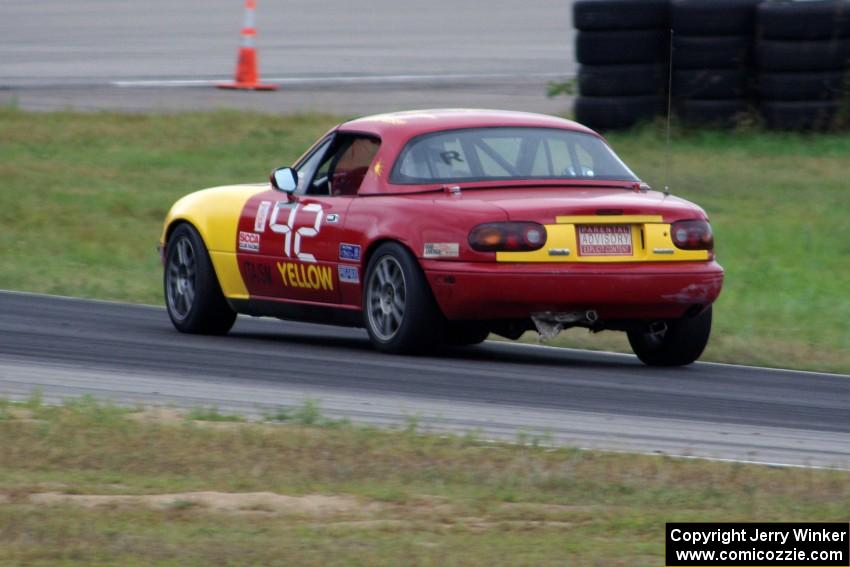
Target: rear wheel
point(672, 343)
point(400, 313)
point(193, 296)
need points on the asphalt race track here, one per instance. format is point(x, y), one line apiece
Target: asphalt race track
point(334, 56)
point(128, 353)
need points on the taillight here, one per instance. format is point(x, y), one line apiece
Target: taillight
point(692, 235)
point(507, 237)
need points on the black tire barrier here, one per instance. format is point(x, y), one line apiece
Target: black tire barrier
point(622, 80)
point(800, 115)
point(710, 83)
point(803, 20)
point(711, 52)
point(616, 113)
point(621, 14)
point(713, 113)
point(713, 17)
point(810, 55)
point(791, 57)
point(802, 86)
point(621, 47)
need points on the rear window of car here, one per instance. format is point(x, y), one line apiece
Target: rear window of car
point(492, 154)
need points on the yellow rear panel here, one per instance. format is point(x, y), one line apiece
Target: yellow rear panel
point(651, 242)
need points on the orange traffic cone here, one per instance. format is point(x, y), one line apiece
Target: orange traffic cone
point(247, 76)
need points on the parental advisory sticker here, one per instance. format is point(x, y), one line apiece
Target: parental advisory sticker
point(758, 544)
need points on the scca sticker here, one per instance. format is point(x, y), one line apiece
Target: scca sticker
point(349, 252)
point(309, 276)
point(249, 241)
point(348, 274)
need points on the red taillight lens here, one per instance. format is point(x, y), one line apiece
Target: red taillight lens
point(507, 237)
point(692, 235)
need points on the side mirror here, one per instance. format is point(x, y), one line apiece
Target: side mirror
point(284, 179)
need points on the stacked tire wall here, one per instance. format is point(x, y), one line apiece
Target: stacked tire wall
point(711, 59)
point(784, 61)
point(621, 47)
point(803, 49)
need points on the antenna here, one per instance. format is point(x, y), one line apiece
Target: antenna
point(667, 158)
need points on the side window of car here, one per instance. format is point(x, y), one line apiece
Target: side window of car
point(351, 165)
point(307, 168)
point(343, 166)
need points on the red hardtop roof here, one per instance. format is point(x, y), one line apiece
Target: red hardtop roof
point(407, 124)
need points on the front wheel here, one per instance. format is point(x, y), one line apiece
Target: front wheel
point(672, 343)
point(400, 313)
point(193, 297)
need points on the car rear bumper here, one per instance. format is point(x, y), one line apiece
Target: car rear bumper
point(615, 291)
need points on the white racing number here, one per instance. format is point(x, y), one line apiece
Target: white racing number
point(303, 232)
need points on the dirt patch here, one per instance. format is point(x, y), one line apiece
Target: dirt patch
point(226, 502)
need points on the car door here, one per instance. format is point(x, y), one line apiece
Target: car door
point(293, 244)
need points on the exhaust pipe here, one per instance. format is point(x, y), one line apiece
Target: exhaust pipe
point(550, 323)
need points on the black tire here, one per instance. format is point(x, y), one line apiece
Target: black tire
point(621, 47)
point(711, 52)
point(621, 14)
point(193, 296)
point(399, 310)
point(816, 55)
point(828, 85)
point(803, 20)
point(709, 83)
point(713, 17)
point(713, 113)
point(681, 343)
point(465, 333)
point(622, 80)
point(616, 113)
point(800, 115)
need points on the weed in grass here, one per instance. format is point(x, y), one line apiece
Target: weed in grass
point(278, 414)
point(211, 413)
point(35, 401)
point(308, 413)
point(412, 423)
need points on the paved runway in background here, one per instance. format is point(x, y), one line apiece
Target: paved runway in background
point(333, 56)
point(70, 347)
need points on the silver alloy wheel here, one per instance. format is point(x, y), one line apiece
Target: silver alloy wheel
point(180, 279)
point(386, 297)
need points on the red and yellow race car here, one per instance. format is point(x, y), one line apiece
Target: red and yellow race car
point(442, 226)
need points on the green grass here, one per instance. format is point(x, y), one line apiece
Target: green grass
point(83, 197)
point(392, 497)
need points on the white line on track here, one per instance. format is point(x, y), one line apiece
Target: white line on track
point(340, 80)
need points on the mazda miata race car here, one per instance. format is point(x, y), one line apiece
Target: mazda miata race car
point(442, 226)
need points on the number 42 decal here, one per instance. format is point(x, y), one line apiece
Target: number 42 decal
point(287, 228)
